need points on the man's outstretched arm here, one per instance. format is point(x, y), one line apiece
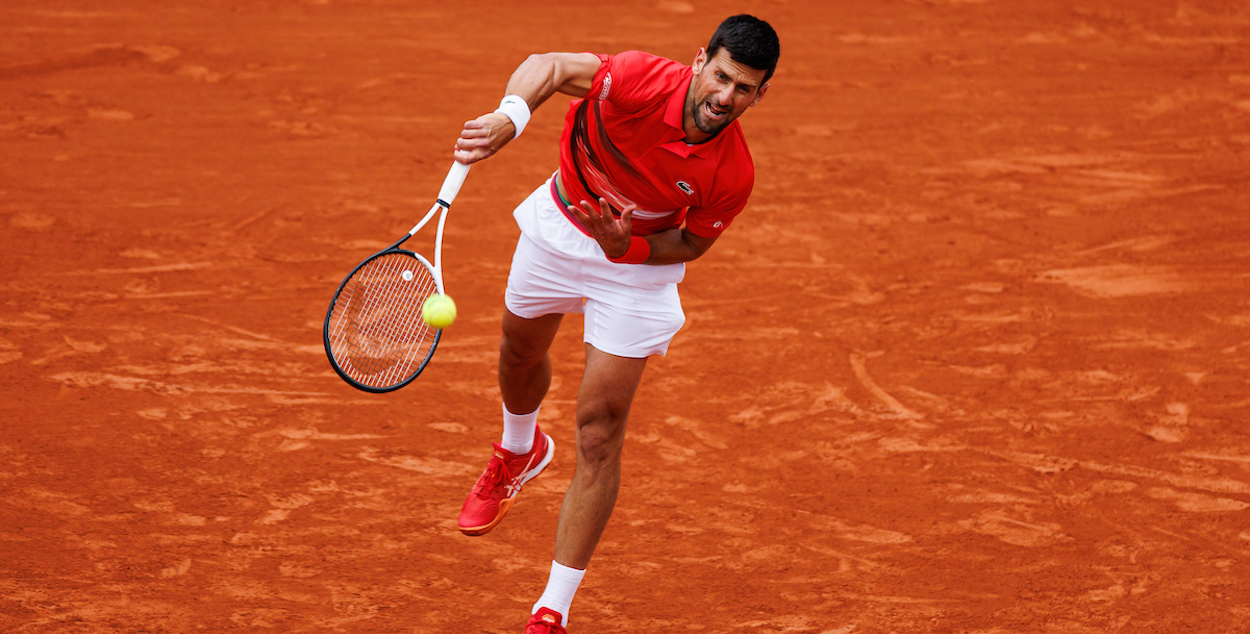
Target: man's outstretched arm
point(536, 79)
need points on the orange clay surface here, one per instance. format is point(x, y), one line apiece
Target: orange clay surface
point(976, 358)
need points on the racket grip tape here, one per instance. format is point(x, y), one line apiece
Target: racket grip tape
point(451, 185)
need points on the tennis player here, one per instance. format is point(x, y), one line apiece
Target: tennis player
point(653, 168)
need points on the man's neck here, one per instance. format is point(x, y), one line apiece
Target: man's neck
point(694, 135)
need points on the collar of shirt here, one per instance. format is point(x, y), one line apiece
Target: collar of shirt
point(673, 113)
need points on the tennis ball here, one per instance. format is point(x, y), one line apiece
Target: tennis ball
point(438, 311)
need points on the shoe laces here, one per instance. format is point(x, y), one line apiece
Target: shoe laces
point(497, 473)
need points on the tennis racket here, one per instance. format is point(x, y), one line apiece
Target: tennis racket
point(374, 334)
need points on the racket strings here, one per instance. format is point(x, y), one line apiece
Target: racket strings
point(384, 333)
point(377, 335)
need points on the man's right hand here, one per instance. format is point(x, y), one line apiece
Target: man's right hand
point(482, 137)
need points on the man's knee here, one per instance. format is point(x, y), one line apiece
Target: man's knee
point(517, 351)
point(601, 433)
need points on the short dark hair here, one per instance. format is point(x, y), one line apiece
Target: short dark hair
point(749, 40)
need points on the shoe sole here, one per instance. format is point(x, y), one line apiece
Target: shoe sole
point(506, 504)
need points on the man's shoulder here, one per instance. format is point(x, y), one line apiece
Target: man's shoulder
point(646, 67)
point(635, 79)
point(643, 58)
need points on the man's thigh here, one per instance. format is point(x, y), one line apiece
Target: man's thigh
point(542, 283)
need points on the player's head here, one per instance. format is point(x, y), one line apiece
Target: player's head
point(730, 75)
point(750, 41)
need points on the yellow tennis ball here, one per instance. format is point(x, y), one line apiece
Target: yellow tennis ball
point(438, 311)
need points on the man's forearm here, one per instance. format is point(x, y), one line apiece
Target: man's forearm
point(676, 245)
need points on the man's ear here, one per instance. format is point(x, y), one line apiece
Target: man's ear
point(699, 60)
point(759, 95)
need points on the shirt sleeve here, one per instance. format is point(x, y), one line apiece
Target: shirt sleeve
point(631, 80)
point(714, 217)
point(710, 222)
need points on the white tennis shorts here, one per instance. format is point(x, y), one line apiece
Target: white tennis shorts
point(631, 310)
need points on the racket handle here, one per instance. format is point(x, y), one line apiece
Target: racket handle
point(451, 185)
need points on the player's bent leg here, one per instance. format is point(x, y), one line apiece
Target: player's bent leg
point(524, 377)
point(524, 360)
point(603, 404)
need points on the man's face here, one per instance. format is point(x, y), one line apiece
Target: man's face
point(720, 92)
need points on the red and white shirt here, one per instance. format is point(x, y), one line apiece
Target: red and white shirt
point(636, 101)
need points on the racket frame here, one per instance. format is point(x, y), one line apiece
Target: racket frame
point(447, 194)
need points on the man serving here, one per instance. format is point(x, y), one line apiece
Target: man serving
point(653, 168)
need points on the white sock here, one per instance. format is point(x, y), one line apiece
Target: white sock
point(561, 586)
point(518, 431)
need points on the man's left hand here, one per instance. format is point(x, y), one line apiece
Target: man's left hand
point(610, 231)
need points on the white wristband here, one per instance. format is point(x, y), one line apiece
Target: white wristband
point(517, 110)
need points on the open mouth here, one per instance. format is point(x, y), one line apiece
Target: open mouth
point(713, 111)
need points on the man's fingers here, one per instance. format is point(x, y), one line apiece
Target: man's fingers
point(470, 147)
point(483, 131)
point(600, 221)
point(590, 210)
point(482, 137)
point(604, 210)
point(469, 157)
point(610, 232)
point(627, 215)
point(469, 151)
point(469, 144)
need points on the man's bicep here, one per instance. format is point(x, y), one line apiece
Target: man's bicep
point(576, 72)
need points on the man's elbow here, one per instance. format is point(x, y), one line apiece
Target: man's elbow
point(538, 62)
point(695, 248)
point(553, 65)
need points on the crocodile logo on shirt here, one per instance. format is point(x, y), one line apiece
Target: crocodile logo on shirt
point(684, 186)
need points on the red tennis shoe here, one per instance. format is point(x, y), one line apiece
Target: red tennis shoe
point(492, 496)
point(545, 621)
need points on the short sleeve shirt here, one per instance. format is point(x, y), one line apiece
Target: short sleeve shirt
point(636, 104)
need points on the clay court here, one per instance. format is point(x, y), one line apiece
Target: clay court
point(976, 358)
